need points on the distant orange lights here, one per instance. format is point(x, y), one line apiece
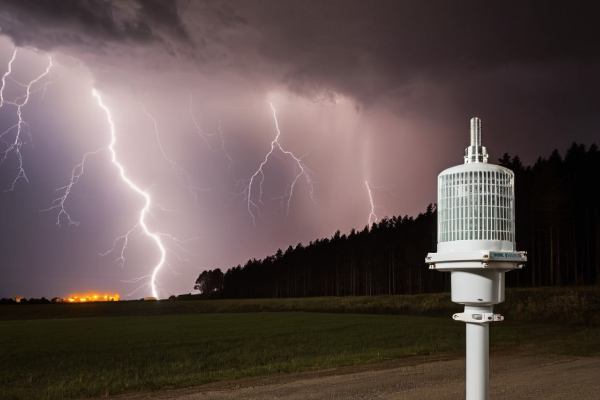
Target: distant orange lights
point(90, 298)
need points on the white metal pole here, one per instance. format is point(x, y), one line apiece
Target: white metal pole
point(478, 355)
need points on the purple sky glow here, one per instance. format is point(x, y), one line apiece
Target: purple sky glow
point(379, 92)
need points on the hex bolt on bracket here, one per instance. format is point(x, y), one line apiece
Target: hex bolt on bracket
point(478, 318)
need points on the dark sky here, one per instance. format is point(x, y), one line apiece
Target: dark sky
point(365, 94)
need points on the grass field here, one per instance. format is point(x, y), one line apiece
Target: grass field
point(75, 353)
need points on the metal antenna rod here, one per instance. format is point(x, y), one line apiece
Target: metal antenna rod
point(475, 153)
point(475, 132)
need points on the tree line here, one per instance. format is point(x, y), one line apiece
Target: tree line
point(558, 217)
point(557, 223)
point(43, 300)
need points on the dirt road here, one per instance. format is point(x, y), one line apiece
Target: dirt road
point(512, 376)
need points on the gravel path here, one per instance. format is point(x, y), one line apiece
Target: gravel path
point(512, 376)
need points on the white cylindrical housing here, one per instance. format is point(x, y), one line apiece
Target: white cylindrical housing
point(485, 287)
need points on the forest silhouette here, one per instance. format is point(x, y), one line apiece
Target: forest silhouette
point(557, 223)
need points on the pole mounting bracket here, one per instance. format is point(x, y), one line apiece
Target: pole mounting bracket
point(478, 318)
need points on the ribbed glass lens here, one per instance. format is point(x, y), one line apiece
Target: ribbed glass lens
point(476, 205)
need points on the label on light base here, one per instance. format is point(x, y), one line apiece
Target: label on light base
point(507, 256)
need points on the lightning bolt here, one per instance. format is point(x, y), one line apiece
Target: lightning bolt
point(7, 73)
point(181, 173)
point(372, 216)
point(59, 202)
point(77, 172)
point(259, 176)
point(156, 237)
point(205, 135)
point(15, 144)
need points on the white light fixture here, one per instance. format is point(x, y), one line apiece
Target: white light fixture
point(476, 243)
